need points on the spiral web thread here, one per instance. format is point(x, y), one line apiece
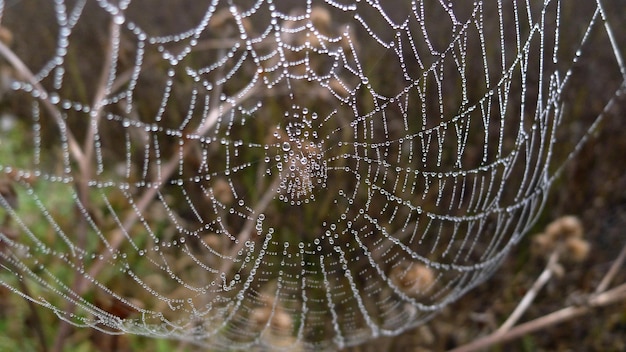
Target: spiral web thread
point(295, 174)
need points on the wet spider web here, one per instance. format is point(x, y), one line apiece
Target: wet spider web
point(300, 175)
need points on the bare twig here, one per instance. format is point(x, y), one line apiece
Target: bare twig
point(530, 296)
point(614, 295)
point(617, 264)
point(599, 298)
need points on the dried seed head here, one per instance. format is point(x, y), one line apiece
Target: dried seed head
point(565, 227)
point(564, 235)
point(281, 321)
point(222, 191)
point(213, 241)
point(576, 249)
point(6, 36)
point(321, 19)
point(412, 279)
point(542, 244)
point(278, 319)
point(260, 316)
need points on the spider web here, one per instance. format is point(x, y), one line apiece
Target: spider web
point(300, 175)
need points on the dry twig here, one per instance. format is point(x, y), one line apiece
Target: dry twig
point(612, 296)
point(562, 237)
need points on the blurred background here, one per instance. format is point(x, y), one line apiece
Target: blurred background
point(591, 184)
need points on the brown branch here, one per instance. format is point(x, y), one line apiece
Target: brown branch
point(104, 86)
point(84, 165)
point(530, 296)
point(37, 325)
point(22, 69)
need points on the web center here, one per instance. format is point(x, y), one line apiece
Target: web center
point(302, 169)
